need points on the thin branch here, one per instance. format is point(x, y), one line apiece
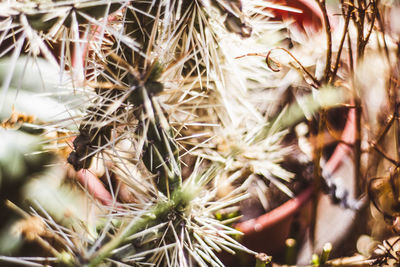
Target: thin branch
point(357, 146)
point(317, 182)
point(345, 29)
point(383, 154)
point(322, 6)
point(382, 28)
point(351, 59)
point(268, 59)
point(372, 23)
point(316, 82)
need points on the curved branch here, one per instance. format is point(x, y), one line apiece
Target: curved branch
point(322, 6)
point(316, 82)
point(267, 61)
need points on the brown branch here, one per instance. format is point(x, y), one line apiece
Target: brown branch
point(357, 147)
point(374, 14)
point(322, 6)
point(385, 129)
point(268, 58)
point(382, 27)
point(383, 154)
point(351, 59)
point(317, 182)
point(345, 29)
point(316, 82)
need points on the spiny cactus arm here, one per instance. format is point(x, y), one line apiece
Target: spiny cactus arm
point(142, 23)
point(43, 15)
point(160, 152)
point(158, 214)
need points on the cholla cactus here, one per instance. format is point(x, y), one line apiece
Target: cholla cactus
point(154, 82)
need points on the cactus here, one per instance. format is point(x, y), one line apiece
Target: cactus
point(152, 80)
point(128, 65)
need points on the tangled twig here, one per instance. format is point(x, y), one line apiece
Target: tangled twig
point(268, 59)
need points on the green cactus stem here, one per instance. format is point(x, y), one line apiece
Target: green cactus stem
point(161, 212)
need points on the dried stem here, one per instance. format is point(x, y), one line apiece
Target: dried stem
point(316, 82)
point(357, 148)
point(339, 53)
point(382, 29)
point(317, 182)
point(327, 71)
